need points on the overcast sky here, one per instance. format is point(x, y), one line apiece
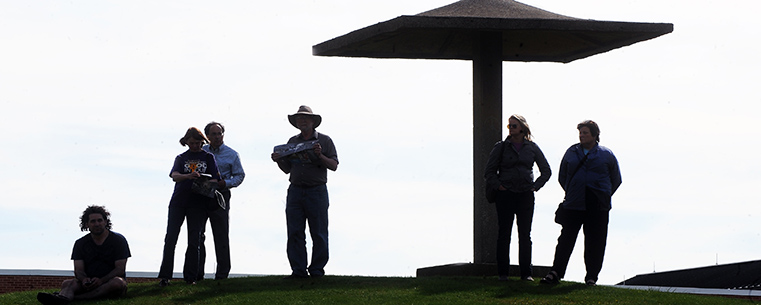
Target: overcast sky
point(96, 94)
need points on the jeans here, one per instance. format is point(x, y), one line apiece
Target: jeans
point(307, 204)
point(196, 215)
point(521, 206)
point(220, 229)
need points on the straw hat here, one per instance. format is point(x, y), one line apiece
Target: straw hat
point(305, 110)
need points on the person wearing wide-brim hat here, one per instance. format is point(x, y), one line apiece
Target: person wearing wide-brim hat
point(307, 199)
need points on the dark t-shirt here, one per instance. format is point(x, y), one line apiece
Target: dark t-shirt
point(202, 162)
point(99, 259)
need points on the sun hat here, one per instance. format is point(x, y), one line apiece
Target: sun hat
point(305, 110)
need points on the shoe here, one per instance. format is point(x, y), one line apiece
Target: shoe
point(551, 278)
point(296, 277)
point(528, 278)
point(52, 298)
point(591, 282)
point(164, 283)
point(503, 278)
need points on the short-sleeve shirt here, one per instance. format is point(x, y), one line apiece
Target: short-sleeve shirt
point(99, 259)
point(190, 161)
point(307, 169)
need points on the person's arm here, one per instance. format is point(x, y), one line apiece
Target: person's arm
point(177, 176)
point(236, 172)
point(120, 268)
point(330, 163)
point(79, 270)
point(563, 171)
point(492, 166)
point(615, 174)
point(282, 163)
point(544, 169)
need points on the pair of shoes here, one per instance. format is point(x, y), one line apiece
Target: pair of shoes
point(296, 277)
point(52, 298)
point(528, 278)
point(316, 276)
point(503, 278)
point(164, 283)
point(551, 278)
point(591, 282)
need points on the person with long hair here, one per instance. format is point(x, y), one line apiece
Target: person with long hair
point(188, 167)
point(510, 172)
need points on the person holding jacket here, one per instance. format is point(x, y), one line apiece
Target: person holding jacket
point(510, 171)
point(589, 175)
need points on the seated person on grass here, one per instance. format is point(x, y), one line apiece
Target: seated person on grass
point(100, 260)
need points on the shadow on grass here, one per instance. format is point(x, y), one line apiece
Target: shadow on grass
point(346, 285)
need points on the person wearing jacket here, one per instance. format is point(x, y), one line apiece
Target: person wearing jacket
point(509, 170)
point(589, 175)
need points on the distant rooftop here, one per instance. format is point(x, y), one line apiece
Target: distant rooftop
point(739, 276)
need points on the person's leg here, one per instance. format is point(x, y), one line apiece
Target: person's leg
point(595, 240)
point(174, 223)
point(317, 215)
point(566, 242)
point(220, 228)
point(114, 287)
point(296, 224)
point(505, 214)
point(69, 288)
point(524, 217)
point(196, 222)
point(202, 255)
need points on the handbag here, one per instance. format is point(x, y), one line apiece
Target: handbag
point(561, 214)
point(491, 194)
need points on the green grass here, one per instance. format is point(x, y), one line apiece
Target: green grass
point(384, 290)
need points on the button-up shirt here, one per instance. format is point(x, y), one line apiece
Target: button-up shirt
point(228, 163)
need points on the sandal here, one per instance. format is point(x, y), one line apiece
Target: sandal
point(551, 278)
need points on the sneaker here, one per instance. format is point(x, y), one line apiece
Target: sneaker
point(296, 277)
point(528, 278)
point(52, 298)
point(164, 283)
point(591, 282)
point(551, 278)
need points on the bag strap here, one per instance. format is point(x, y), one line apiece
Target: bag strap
point(580, 164)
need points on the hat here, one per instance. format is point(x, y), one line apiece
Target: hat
point(305, 110)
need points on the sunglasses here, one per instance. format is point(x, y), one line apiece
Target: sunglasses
point(511, 126)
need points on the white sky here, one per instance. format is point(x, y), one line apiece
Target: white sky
point(96, 94)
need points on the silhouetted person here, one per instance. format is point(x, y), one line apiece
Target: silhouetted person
point(307, 199)
point(100, 262)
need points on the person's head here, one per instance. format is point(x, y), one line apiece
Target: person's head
point(518, 127)
point(589, 132)
point(305, 119)
point(194, 139)
point(215, 132)
point(94, 219)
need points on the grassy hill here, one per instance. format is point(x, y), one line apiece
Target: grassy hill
point(384, 290)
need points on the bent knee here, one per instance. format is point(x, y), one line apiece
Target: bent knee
point(117, 286)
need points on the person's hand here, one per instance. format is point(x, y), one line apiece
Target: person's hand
point(221, 184)
point(275, 156)
point(194, 175)
point(91, 283)
point(317, 149)
point(502, 188)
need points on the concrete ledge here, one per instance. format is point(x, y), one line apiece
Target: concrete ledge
point(471, 269)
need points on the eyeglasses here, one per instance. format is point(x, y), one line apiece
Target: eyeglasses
point(511, 126)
